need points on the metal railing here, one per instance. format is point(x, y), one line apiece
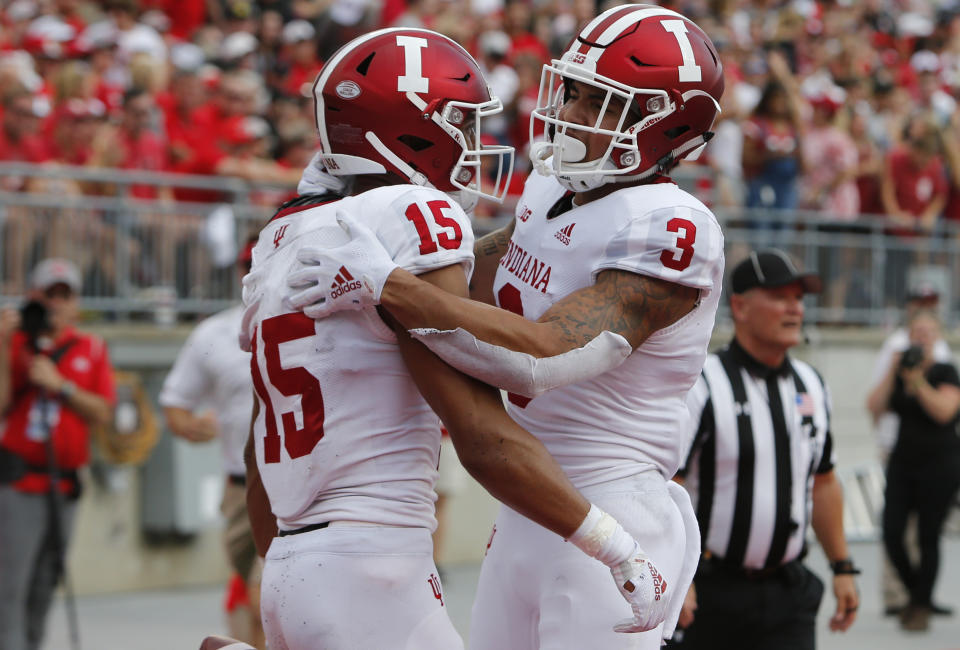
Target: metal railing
point(142, 257)
point(866, 268)
point(139, 258)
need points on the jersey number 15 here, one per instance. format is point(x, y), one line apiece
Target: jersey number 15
point(289, 382)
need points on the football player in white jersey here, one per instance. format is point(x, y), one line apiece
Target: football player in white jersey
point(344, 445)
point(615, 274)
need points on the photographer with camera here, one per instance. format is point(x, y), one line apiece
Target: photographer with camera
point(55, 383)
point(923, 472)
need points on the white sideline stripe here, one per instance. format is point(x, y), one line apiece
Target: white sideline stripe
point(622, 23)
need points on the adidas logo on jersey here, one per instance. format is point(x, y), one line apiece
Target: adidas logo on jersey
point(564, 234)
point(343, 283)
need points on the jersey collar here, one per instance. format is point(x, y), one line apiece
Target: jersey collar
point(754, 367)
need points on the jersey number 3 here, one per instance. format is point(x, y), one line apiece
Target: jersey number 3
point(684, 246)
point(509, 298)
point(290, 382)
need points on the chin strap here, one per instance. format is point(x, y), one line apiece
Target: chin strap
point(417, 178)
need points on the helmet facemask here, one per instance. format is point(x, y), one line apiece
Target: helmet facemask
point(463, 121)
point(635, 110)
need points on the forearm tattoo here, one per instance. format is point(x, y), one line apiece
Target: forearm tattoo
point(493, 244)
point(634, 306)
point(487, 252)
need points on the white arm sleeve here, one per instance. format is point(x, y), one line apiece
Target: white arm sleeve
point(521, 373)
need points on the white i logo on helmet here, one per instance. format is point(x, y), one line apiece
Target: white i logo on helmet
point(412, 80)
point(689, 71)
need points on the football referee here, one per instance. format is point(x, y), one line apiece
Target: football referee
point(759, 470)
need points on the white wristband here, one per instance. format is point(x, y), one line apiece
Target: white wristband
point(602, 537)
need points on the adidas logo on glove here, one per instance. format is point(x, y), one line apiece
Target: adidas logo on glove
point(659, 584)
point(343, 283)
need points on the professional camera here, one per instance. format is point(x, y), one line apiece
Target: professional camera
point(35, 323)
point(912, 357)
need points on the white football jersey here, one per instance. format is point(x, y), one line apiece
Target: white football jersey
point(212, 372)
point(343, 433)
point(601, 429)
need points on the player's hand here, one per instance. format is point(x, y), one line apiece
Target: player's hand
point(689, 607)
point(643, 586)
point(848, 600)
point(347, 276)
point(202, 428)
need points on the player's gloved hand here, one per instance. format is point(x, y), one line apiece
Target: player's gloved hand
point(346, 275)
point(643, 586)
point(602, 537)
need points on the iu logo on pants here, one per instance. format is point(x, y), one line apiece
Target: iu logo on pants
point(435, 585)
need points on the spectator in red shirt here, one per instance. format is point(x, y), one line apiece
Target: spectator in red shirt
point(19, 136)
point(136, 144)
point(233, 143)
point(55, 383)
point(300, 57)
point(109, 75)
point(186, 16)
point(75, 125)
point(914, 185)
point(186, 108)
point(518, 23)
point(773, 140)
point(914, 192)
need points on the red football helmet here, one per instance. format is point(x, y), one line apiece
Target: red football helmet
point(410, 102)
point(666, 74)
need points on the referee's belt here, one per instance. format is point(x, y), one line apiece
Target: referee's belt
point(714, 565)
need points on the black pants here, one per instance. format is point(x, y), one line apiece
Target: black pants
point(735, 612)
point(928, 493)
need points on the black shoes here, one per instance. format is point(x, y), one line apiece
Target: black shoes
point(936, 610)
point(915, 618)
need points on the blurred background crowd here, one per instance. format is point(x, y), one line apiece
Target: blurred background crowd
point(823, 98)
point(840, 110)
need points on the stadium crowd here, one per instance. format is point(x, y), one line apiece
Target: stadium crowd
point(836, 106)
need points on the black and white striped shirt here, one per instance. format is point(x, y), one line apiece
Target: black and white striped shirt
point(760, 436)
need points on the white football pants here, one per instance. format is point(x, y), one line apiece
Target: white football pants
point(538, 592)
point(355, 587)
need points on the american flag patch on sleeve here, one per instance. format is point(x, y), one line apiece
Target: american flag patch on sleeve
point(805, 405)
